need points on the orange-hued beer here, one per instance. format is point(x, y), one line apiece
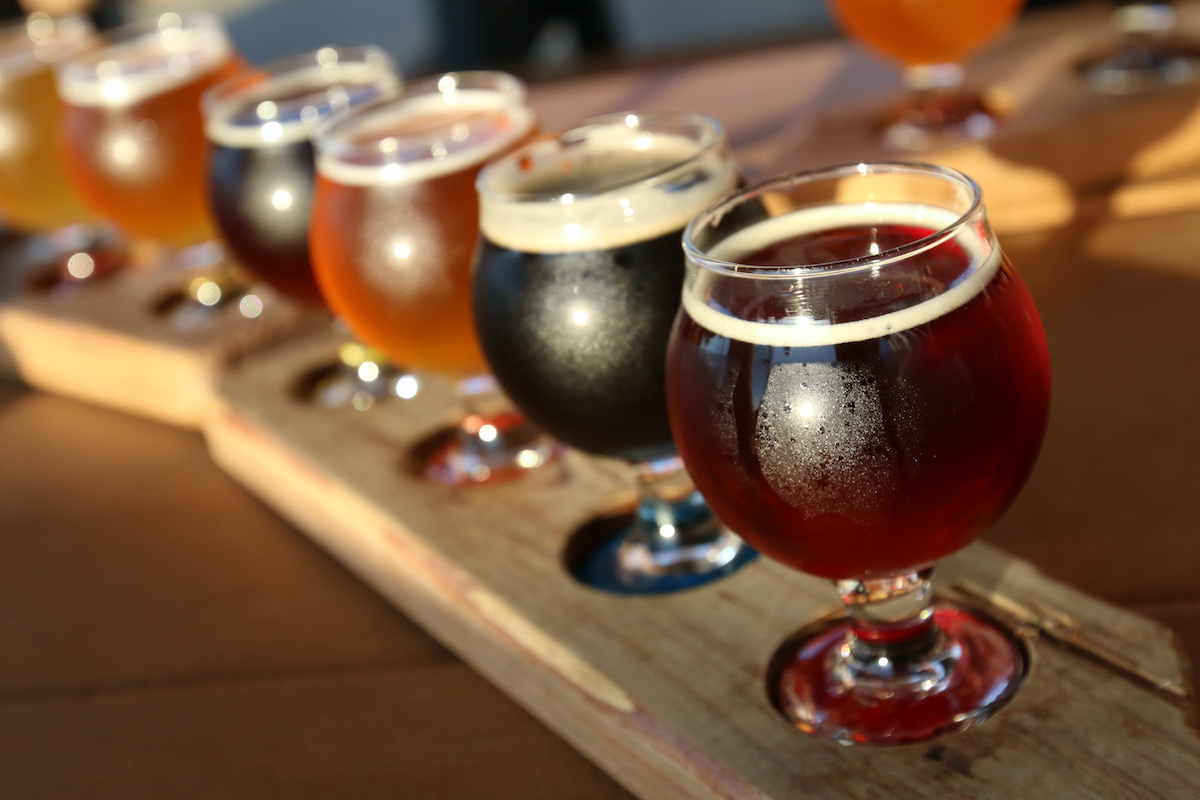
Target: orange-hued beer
point(922, 32)
point(133, 134)
point(396, 217)
point(35, 194)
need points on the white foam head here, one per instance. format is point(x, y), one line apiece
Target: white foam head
point(984, 261)
point(611, 182)
point(295, 97)
point(38, 41)
point(436, 127)
point(144, 60)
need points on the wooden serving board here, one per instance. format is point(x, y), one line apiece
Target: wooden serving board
point(667, 693)
point(107, 342)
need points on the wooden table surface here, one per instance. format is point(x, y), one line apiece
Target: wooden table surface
point(162, 634)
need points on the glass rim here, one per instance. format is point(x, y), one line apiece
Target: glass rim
point(254, 77)
point(713, 137)
point(84, 32)
point(129, 31)
point(837, 267)
point(325, 137)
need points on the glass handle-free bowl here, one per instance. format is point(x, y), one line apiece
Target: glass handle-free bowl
point(36, 196)
point(393, 232)
point(576, 284)
point(858, 382)
point(132, 136)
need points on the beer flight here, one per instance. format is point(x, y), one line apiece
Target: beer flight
point(841, 361)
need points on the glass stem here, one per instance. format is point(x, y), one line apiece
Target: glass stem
point(492, 439)
point(928, 78)
point(674, 532)
point(894, 646)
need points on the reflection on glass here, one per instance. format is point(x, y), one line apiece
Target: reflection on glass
point(394, 227)
point(931, 40)
point(858, 382)
point(576, 285)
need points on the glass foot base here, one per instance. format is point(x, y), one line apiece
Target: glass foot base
point(1135, 68)
point(82, 257)
point(337, 386)
point(976, 669)
point(604, 568)
point(938, 118)
point(485, 449)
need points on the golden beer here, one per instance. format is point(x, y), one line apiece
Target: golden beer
point(35, 193)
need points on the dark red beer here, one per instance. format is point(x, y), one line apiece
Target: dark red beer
point(891, 435)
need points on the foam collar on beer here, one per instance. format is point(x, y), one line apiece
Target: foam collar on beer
point(422, 137)
point(799, 331)
point(613, 185)
point(37, 42)
point(132, 71)
point(286, 108)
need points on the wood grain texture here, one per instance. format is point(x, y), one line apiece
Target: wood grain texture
point(667, 693)
point(104, 343)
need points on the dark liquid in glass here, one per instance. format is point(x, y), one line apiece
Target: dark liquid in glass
point(578, 340)
point(865, 458)
point(261, 198)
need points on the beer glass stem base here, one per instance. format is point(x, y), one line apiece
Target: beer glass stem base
point(84, 254)
point(362, 377)
point(492, 442)
point(898, 669)
point(939, 109)
point(673, 542)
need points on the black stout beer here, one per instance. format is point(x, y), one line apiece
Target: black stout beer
point(580, 270)
point(260, 170)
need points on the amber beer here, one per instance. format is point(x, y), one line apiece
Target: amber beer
point(396, 216)
point(35, 194)
point(924, 32)
point(133, 134)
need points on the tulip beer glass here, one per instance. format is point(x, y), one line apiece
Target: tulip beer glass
point(133, 133)
point(394, 227)
point(858, 382)
point(576, 286)
point(36, 195)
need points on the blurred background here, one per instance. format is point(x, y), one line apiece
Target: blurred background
point(534, 38)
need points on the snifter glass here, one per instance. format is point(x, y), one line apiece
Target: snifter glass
point(133, 143)
point(393, 231)
point(35, 194)
point(576, 285)
point(858, 382)
point(931, 40)
point(133, 134)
